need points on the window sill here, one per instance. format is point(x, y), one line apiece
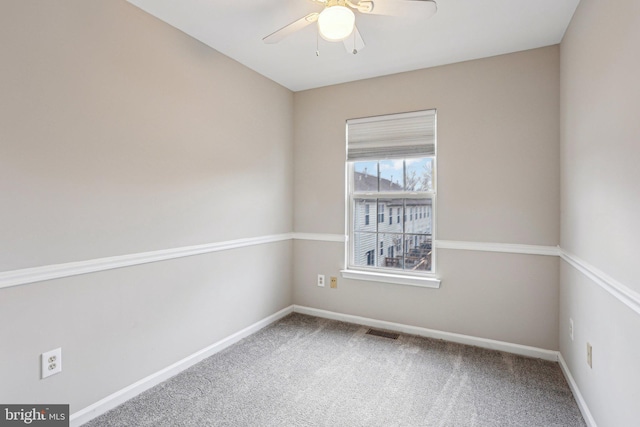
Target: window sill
point(423, 282)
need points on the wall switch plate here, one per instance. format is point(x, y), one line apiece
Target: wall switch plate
point(51, 362)
point(321, 280)
point(590, 355)
point(571, 328)
point(334, 282)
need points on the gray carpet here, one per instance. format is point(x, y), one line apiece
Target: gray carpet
point(306, 371)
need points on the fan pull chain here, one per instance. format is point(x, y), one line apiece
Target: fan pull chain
point(354, 41)
point(318, 42)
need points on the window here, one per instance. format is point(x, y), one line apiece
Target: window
point(381, 214)
point(370, 257)
point(391, 164)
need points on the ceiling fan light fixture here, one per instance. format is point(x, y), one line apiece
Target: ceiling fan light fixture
point(336, 23)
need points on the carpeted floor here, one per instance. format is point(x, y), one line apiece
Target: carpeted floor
point(307, 371)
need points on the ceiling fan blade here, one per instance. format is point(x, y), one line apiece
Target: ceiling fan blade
point(354, 43)
point(283, 32)
point(424, 8)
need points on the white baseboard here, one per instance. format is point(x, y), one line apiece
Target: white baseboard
point(551, 355)
point(582, 404)
point(519, 349)
point(121, 396)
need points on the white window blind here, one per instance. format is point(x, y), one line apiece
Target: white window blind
point(392, 136)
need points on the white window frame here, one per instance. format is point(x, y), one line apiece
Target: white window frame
point(382, 274)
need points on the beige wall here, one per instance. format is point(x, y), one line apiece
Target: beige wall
point(498, 181)
point(114, 126)
point(119, 326)
point(119, 135)
point(600, 152)
point(601, 138)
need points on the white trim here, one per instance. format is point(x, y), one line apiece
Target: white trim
point(623, 293)
point(511, 248)
point(626, 295)
point(321, 237)
point(121, 396)
point(102, 406)
point(582, 404)
point(56, 271)
point(454, 244)
point(519, 349)
point(371, 276)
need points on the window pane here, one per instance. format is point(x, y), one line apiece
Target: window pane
point(419, 220)
point(393, 250)
point(365, 216)
point(393, 233)
point(365, 176)
point(419, 174)
point(393, 211)
point(391, 175)
point(417, 252)
point(364, 249)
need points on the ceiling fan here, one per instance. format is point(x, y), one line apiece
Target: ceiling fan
point(336, 22)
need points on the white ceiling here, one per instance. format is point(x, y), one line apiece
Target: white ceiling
point(461, 30)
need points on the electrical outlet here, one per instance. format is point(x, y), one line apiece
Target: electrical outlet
point(321, 280)
point(334, 282)
point(571, 328)
point(590, 355)
point(51, 362)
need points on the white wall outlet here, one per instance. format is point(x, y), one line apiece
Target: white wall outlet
point(571, 328)
point(590, 355)
point(321, 280)
point(51, 362)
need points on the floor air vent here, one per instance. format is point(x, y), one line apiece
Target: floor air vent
point(383, 334)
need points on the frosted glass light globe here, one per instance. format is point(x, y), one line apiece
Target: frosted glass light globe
point(336, 23)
